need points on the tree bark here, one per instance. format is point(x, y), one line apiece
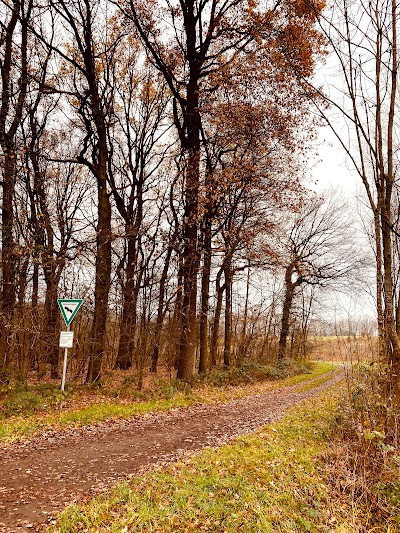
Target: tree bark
point(9, 123)
point(228, 313)
point(188, 343)
point(103, 279)
point(160, 312)
point(129, 299)
point(204, 363)
point(287, 305)
point(217, 317)
point(243, 338)
point(49, 341)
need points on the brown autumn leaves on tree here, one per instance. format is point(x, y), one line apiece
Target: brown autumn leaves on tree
point(209, 39)
point(149, 143)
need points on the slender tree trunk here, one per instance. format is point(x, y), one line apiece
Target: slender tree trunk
point(176, 317)
point(33, 333)
point(287, 305)
point(13, 94)
point(49, 341)
point(228, 313)
point(204, 363)
point(35, 286)
point(388, 290)
point(8, 244)
point(386, 214)
point(8, 252)
point(21, 312)
point(379, 286)
point(217, 318)
point(160, 312)
point(243, 337)
point(128, 319)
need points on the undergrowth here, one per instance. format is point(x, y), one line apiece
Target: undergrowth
point(251, 372)
point(365, 458)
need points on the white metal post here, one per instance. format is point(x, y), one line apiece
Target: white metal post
point(65, 366)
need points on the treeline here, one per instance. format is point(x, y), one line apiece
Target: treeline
point(151, 162)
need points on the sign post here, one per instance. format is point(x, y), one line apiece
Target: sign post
point(65, 360)
point(68, 308)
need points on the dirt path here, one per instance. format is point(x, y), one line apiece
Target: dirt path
point(39, 477)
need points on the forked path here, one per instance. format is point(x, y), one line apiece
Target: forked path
point(39, 477)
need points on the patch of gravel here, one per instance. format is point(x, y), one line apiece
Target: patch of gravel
point(41, 475)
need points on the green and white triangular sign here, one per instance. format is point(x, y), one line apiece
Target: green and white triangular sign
point(69, 308)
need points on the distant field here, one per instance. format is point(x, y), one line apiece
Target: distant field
point(343, 347)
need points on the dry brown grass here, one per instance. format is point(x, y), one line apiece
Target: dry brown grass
point(343, 348)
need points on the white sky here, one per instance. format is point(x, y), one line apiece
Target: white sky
point(331, 170)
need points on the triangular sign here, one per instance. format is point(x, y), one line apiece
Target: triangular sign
point(69, 308)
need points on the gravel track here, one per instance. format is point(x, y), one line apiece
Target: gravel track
point(38, 477)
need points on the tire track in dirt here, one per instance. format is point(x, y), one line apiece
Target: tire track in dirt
point(39, 477)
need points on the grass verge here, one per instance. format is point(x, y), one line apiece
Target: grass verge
point(30, 420)
point(272, 481)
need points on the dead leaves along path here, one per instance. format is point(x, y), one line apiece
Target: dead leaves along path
point(40, 476)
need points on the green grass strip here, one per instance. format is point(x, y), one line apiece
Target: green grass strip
point(14, 428)
point(272, 481)
point(314, 383)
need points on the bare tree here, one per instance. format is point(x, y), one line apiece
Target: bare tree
point(92, 95)
point(14, 59)
point(318, 251)
point(362, 38)
point(139, 152)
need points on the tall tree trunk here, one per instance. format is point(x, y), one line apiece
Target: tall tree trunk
point(13, 95)
point(103, 279)
point(388, 290)
point(21, 312)
point(386, 216)
point(228, 313)
point(217, 318)
point(379, 286)
point(191, 146)
point(243, 338)
point(204, 363)
point(287, 305)
point(8, 251)
point(8, 244)
point(160, 311)
point(128, 319)
point(33, 333)
point(49, 341)
point(188, 344)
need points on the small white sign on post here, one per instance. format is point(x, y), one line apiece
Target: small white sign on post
point(66, 339)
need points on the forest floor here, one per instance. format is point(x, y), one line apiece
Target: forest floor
point(41, 474)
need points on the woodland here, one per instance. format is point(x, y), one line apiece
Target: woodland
point(155, 162)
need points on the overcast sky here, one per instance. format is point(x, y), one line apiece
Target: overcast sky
point(332, 170)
